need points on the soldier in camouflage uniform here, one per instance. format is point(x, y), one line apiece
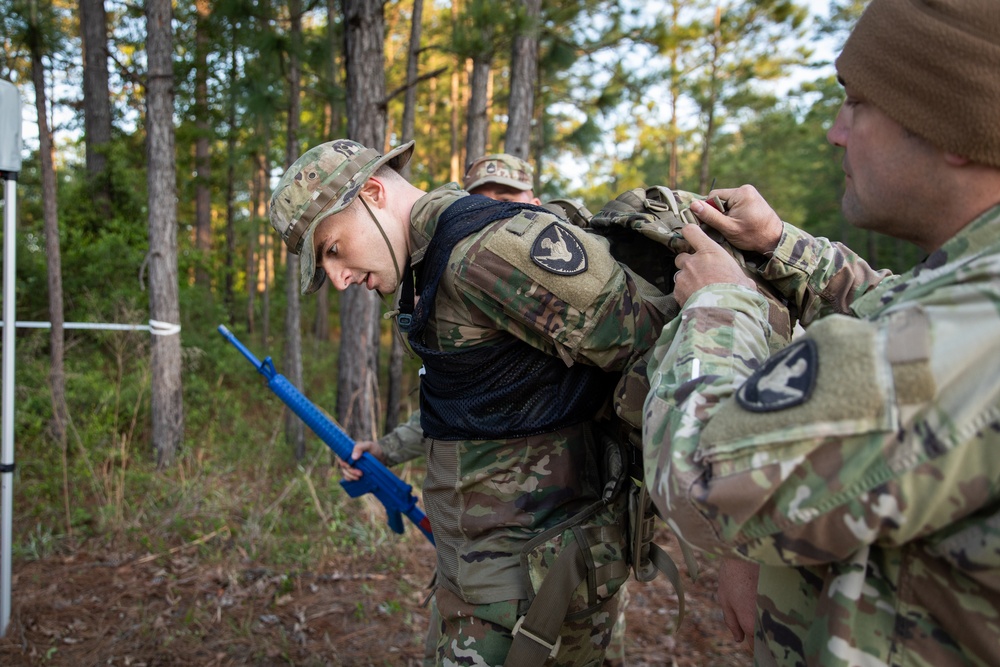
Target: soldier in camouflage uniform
point(859, 466)
point(499, 176)
point(502, 177)
point(524, 324)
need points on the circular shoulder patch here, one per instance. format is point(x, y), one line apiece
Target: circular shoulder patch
point(785, 380)
point(557, 251)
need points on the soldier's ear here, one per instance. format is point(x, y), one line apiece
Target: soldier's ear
point(374, 191)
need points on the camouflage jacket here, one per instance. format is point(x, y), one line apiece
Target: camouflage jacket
point(858, 464)
point(403, 443)
point(486, 499)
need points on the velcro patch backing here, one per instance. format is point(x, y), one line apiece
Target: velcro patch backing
point(909, 351)
point(848, 396)
point(579, 290)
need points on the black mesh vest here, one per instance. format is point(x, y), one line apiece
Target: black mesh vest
point(499, 391)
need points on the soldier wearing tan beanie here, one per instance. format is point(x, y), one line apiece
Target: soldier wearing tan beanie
point(854, 475)
point(934, 67)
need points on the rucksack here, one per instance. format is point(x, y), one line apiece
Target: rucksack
point(629, 223)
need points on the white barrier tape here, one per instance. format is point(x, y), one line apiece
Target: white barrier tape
point(155, 327)
point(158, 328)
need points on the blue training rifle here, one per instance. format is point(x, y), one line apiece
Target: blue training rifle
point(393, 492)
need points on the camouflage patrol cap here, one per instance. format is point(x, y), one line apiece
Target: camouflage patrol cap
point(501, 168)
point(323, 181)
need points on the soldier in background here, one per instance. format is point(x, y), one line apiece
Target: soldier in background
point(859, 466)
point(503, 177)
point(517, 306)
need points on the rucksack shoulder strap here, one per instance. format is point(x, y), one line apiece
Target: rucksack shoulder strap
point(571, 210)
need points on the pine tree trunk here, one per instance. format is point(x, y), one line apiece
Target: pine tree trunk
point(202, 158)
point(412, 68)
point(357, 381)
point(167, 391)
point(96, 101)
point(50, 216)
point(456, 159)
point(229, 296)
point(523, 73)
point(395, 390)
point(709, 111)
point(294, 428)
point(321, 326)
point(673, 170)
point(477, 124)
point(265, 260)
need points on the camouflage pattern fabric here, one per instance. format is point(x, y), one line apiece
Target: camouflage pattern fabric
point(323, 181)
point(629, 223)
point(433, 636)
point(500, 168)
point(859, 465)
point(614, 656)
point(658, 214)
point(480, 635)
point(403, 443)
point(488, 499)
point(406, 442)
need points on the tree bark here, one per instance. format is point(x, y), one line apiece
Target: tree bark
point(454, 171)
point(412, 68)
point(477, 125)
point(703, 172)
point(295, 434)
point(96, 101)
point(265, 257)
point(202, 157)
point(673, 170)
point(523, 74)
point(167, 391)
point(395, 389)
point(229, 296)
point(321, 326)
point(50, 216)
point(357, 381)
point(333, 106)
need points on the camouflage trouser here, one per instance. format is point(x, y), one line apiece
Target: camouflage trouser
point(480, 635)
point(433, 635)
point(615, 656)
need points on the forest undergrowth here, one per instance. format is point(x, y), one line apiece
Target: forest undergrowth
point(237, 554)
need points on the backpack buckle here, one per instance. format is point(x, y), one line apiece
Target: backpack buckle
point(553, 648)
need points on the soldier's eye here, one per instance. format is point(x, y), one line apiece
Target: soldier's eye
point(332, 250)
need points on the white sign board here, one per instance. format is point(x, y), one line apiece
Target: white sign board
point(10, 127)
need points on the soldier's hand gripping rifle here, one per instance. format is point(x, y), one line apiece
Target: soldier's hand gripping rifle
point(393, 492)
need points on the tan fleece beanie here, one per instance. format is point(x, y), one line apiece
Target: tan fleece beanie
point(934, 67)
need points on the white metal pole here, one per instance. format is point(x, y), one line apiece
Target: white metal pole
point(7, 451)
point(10, 165)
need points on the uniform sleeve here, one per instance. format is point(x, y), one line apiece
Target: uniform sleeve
point(586, 309)
point(818, 275)
point(861, 432)
point(403, 443)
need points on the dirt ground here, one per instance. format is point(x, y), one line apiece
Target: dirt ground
point(170, 609)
